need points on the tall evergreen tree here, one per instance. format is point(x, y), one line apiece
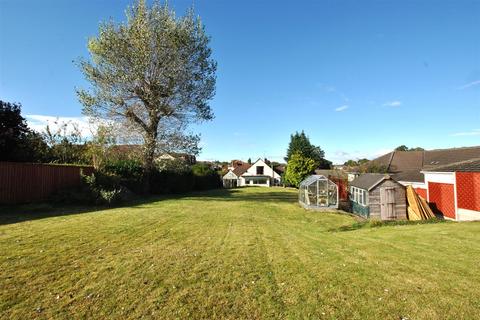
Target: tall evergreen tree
point(300, 144)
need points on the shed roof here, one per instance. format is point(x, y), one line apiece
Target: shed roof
point(369, 180)
point(410, 175)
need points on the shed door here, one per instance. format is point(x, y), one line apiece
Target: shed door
point(387, 203)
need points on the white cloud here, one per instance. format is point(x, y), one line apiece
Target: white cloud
point(474, 132)
point(38, 123)
point(470, 84)
point(342, 108)
point(394, 103)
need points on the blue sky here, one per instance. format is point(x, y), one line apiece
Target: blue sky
point(360, 77)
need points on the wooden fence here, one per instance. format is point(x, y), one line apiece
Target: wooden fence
point(30, 182)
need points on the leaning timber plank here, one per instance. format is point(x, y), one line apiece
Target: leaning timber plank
point(412, 215)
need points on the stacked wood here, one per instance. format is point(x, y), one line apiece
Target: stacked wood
point(418, 208)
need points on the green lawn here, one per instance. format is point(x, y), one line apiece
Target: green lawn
point(246, 253)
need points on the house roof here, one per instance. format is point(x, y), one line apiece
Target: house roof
point(462, 166)
point(369, 180)
point(449, 156)
point(238, 171)
point(407, 165)
point(331, 173)
point(280, 168)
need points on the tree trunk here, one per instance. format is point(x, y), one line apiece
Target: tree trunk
point(149, 160)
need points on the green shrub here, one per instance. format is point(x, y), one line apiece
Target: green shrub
point(97, 188)
point(162, 182)
point(128, 171)
point(205, 177)
point(126, 168)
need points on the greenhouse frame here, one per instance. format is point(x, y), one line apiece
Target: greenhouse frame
point(318, 192)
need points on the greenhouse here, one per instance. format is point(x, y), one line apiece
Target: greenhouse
point(318, 192)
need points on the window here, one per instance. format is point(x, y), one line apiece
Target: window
point(260, 170)
point(358, 195)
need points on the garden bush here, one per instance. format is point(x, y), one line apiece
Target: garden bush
point(98, 188)
point(205, 177)
point(129, 171)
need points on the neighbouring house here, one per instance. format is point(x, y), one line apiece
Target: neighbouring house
point(410, 167)
point(454, 190)
point(236, 163)
point(188, 158)
point(257, 174)
point(378, 196)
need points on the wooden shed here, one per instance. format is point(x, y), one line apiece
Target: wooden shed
point(378, 196)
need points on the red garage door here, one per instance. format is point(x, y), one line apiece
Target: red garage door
point(468, 190)
point(441, 195)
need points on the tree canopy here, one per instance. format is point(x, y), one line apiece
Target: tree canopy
point(298, 168)
point(300, 143)
point(354, 163)
point(17, 141)
point(405, 148)
point(154, 73)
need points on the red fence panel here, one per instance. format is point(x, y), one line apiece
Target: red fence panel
point(468, 190)
point(442, 196)
point(421, 192)
point(29, 182)
point(342, 187)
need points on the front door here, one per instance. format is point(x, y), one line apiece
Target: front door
point(387, 203)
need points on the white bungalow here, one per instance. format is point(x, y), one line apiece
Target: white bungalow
point(257, 174)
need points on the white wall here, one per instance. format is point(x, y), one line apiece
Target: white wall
point(467, 215)
point(439, 177)
point(230, 175)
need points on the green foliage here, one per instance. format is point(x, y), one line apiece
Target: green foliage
point(126, 168)
point(96, 189)
point(205, 177)
point(99, 146)
point(17, 141)
point(298, 168)
point(373, 167)
point(169, 181)
point(405, 148)
point(300, 143)
point(353, 163)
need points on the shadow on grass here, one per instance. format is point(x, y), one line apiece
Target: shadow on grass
point(254, 194)
point(10, 214)
point(377, 224)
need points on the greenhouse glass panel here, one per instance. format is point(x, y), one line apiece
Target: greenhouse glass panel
point(318, 192)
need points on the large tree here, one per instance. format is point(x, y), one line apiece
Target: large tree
point(13, 129)
point(300, 143)
point(17, 141)
point(154, 73)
